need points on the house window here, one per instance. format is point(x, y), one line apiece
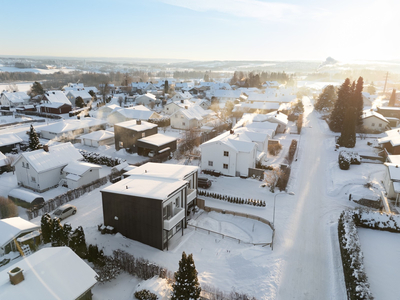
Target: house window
point(23, 164)
point(33, 179)
point(27, 165)
point(183, 123)
point(225, 166)
point(380, 124)
point(143, 134)
point(373, 124)
point(226, 153)
point(177, 203)
point(121, 144)
point(210, 163)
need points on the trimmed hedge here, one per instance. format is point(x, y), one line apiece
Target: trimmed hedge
point(231, 199)
point(96, 158)
point(145, 295)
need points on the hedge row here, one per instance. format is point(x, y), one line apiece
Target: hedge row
point(352, 258)
point(231, 199)
point(292, 151)
point(96, 158)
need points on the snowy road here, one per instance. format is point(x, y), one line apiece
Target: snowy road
point(308, 244)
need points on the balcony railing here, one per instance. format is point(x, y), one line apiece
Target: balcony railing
point(179, 214)
point(191, 195)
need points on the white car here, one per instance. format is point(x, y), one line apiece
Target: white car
point(64, 211)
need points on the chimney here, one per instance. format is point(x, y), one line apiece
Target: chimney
point(46, 148)
point(138, 122)
point(16, 276)
point(231, 131)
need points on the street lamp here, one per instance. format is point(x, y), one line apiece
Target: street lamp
point(273, 217)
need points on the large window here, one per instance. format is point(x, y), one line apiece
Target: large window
point(210, 163)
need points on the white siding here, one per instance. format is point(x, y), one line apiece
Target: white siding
point(374, 123)
point(215, 152)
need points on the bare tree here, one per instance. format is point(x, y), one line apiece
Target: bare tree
point(104, 90)
point(12, 87)
point(271, 177)
point(120, 100)
point(7, 208)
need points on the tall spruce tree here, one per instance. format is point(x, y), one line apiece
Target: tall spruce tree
point(348, 133)
point(46, 224)
point(326, 100)
point(166, 87)
point(392, 100)
point(56, 232)
point(34, 142)
point(337, 116)
point(358, 101)
point(186, 284)
point(78, 243)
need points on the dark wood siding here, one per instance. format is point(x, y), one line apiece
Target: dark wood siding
point(129, 137)
point(139, 219)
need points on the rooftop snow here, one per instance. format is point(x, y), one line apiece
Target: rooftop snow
point(157, 139)
point(3, 159)
point(98, 135)
point(147, 187)
point(72, 124)
point(82, 94)
point(24, 195)
point(237, 141)
point(394, 171)
point(164, 170)
point(58, 156)
point(9, 139)
point(133, 113)
point(50, 273)
point(79, 167)
point(57, 97)
point(10, 228)
point(16, 97)
point(132, 124)
point(370, 113)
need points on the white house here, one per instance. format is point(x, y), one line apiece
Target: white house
point(278, 118)
point(72, 95)
point(375, 122)
point(13, 99)
point(138, 112)
point(104, 111)
point(78, 173)
point(143, 87)
point(55, 97)
point(188, 117)
point(50, 273)
point(181, 96)
point(98, 138)
point(226, 95)
point(10, 230)
point(173, 107)
point(391, 181)
point(146, 99)
point(70, 128)
point(230, 153)
point(40, 170)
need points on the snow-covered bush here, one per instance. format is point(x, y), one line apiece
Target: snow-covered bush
point(145, 295)
point(347, 158)
point(352, 258)
point(292, 151)
point(96, 158)
point(108, 270)
point(232, 199)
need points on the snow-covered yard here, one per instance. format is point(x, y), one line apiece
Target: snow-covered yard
point(381, 251)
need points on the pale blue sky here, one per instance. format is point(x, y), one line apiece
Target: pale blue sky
point(202, 29)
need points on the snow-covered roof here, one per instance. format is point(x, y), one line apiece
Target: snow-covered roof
point(193, 112)
point(389, 108)
point(147, 187)
point(50, 273)
point(16, 97)
point(3, 159)
point(98, 135)
point(237, 141)
point(56, 96)
point(132, 124)
point(371, 113)
point(157, 139)
point(79, 167)
point(82, 94)
point(163, 170)
point(258, 105)
point(277, 117)
point(147, 95)
point(267, 97)
point(133, 113)
point(9, 139)
point(12, 227)
point(24, 195)
point(91, 88)
point(54, 104)
point(227, 93)
point(183, 95)
point(58, 156)
point(72, 124)
point(394, 159)
point(394, 171)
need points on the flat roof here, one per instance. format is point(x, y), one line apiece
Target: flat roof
point(146, 186)
point(132, 124)
point(157, 139)
point(163, 170)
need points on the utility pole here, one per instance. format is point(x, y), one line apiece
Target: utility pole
point(384, 88)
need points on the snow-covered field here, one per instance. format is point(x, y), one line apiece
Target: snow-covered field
point(35, 70)
point(381, 251)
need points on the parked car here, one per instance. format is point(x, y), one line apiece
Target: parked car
point(64, 211)
point(203, 182)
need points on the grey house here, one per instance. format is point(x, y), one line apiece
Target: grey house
point(152, 203)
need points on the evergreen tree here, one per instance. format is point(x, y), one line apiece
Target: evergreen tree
point(339, 111)
point(358, 101)
point(298, 108)
point(78, 243)
point(166, 87)
point(66, 234)
point(36, 89)
point(348, 133)
point(186, 285)
point(371, 89)
point(34, 142)
point(326, 100)
point(46, 224)
point(392, 100)
point(79, 102)
point(56, 232)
